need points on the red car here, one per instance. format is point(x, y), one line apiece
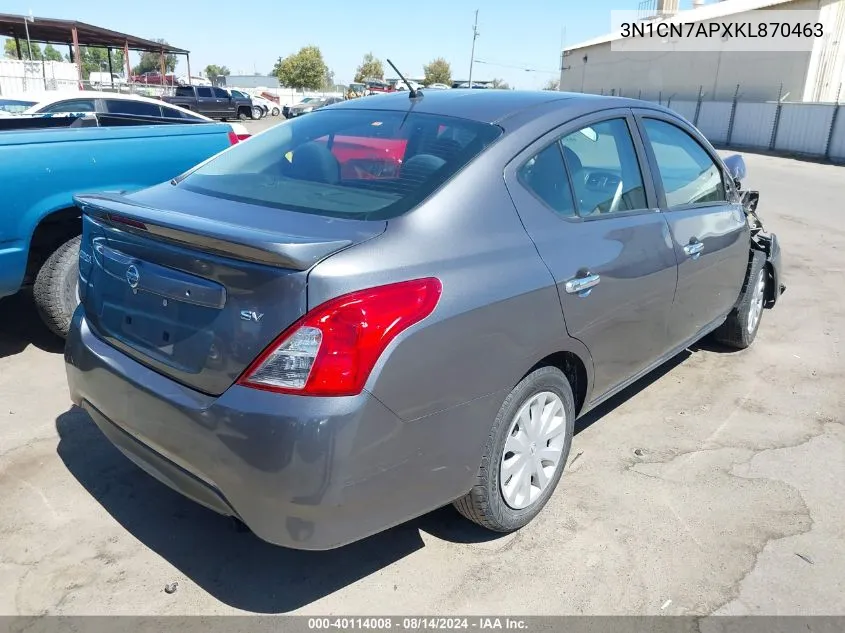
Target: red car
point(155, 79)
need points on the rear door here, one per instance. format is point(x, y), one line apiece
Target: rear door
point(586, 198)
point(709, 229)
point(207, 103)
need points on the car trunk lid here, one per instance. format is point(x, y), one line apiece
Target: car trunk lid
point(195, 287)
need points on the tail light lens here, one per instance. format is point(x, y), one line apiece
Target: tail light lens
point(233, 138)
point(332, 350)
point(243, 137)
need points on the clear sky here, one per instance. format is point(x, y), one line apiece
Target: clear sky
point(250, 35)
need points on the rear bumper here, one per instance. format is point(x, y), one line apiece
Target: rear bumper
point(302, 472)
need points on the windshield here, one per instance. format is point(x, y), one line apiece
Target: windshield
point(359, 164)
point(15, 106)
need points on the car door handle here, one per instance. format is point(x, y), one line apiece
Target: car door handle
point(582, 285)
point(693, 249)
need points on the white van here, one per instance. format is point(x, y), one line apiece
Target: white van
point(105, 80)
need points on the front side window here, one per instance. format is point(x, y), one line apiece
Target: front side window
point(688, 174)
point(127, 106)
point(15, 106)
point(72, 105)
point(204, 92)
point(345, 163)
point(605, 172)
point(220, 93)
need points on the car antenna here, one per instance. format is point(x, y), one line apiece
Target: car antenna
point(413, 94)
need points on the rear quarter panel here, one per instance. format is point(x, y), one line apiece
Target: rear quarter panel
point(43, 169)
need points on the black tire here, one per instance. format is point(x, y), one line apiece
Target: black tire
point(55, 288)
point(257, 113)
point(485, 504)
point(276, 111)
point(242, 114)
point(735, 332)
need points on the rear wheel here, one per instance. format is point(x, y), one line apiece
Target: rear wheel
point(276, 111)
point(740, 328)
point(56, 288)
point(244, 114)
point(525, 453)
point(257, 112)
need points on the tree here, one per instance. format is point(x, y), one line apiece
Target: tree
point(552, 84)
point(11, 51)
point(303, 70)
point(96, 60)
point(328, 79)
point(151, 62)
point(213, 70)
point(52, 55)
point(438, 72)
point(370, 68)
point(499, 84)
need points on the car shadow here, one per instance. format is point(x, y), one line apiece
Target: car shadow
point(594, 415)
point(231, 563)
point(20, 327)
point(221, 557)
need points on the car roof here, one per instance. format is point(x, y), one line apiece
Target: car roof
point(54, 97)
point(489, 106)
point(485, 106)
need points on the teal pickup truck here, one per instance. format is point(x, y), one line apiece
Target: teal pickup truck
point(42, 169)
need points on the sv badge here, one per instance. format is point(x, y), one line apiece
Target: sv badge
point(251, 315)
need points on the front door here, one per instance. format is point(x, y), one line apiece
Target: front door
point(709, 231)
point(225, 103)
point(585, 196)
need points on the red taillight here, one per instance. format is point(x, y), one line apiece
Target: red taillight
point(233, 138)
point(332, 349)
point(121, 219)
point(243, 137)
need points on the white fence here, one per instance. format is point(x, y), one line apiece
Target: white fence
point(810, 129)
point(18, 76)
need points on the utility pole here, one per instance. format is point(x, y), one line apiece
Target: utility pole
point(27, 19)
point(472, 55)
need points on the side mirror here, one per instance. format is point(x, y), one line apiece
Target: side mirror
point(736, 168)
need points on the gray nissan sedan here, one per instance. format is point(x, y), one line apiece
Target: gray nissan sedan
point(398, 303)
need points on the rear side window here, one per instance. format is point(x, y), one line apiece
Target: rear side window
point(604, 168)
point(173, 113)
point(688, 174)
point(184, 91)
point(345, 163)
point(71, 105)
point(545, 176)
point(126, 106)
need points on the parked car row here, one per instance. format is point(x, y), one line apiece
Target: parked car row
point(137, 142)
point(391, 305)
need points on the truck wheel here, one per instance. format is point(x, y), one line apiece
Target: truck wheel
point(242, 114)
point(525, 453)
point(56, 288)
point(740, 328)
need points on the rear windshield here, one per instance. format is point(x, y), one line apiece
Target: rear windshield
point(361, 164)
point(15, 106)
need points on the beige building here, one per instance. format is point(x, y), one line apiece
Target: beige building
point(603, 66)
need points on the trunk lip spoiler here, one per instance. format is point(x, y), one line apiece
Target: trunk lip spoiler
point(212, 236)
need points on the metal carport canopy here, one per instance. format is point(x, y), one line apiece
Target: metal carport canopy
point(76, 34)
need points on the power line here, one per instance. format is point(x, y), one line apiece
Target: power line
point(526, 69)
